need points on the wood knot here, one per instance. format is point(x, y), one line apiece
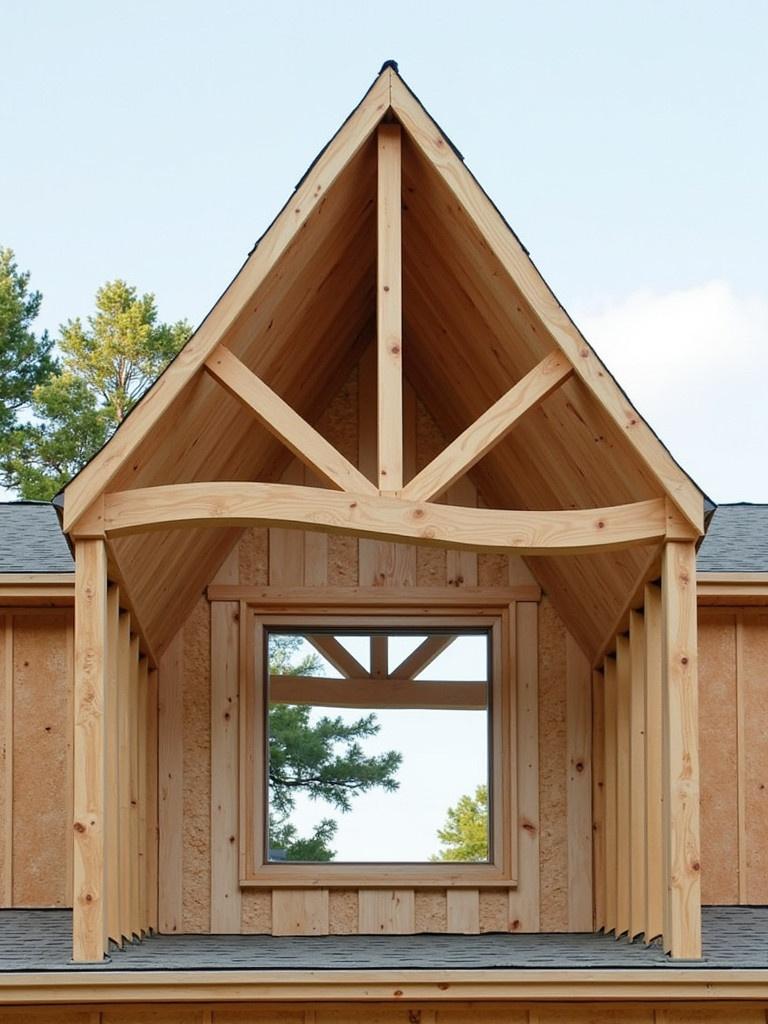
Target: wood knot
point(414, 1017)
point(418, 513)
point(584, 353)
point(684, 661)
point(696, 866)
point(79, 826)
point(398, 993)
point(601, 524)
point(395, 350)
point(231, 839)
point(88, 898)
point(386, 287)
point(515, 925)
point(579, 766)
point(529, 827)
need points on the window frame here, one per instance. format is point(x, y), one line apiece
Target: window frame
point(499, 871)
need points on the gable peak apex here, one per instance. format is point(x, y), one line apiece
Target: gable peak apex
point(389, 64)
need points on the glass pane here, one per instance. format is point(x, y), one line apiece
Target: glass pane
point(378, 745)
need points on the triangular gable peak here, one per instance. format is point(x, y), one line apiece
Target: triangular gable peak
point(389, 240)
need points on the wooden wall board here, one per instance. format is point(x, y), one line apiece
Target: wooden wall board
point(300, 912)
point(623, 841)
point(610, 705)
point(755, 676)
point(719, 746)
point(386, 911)
point(578, 699)
point(171, 786)
point(553, 771)
point(196, 798)
point(598, 798)
point(40, 770)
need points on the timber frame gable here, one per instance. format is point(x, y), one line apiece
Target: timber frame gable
point(390, 258)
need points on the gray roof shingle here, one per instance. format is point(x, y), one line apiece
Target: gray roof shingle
point(737, 540)
point(41, 940)
point(31, 539)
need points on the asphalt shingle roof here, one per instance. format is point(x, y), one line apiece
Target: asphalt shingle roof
point(737, 540)
point(41, 940)
point(31, 539)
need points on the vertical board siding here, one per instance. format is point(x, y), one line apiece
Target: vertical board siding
point(654, 726)
point(753, 681)
point(637, 805)
point(598, 798)
point(170, 785)
point(579, 780)
point(386, 912)
point(225, 767)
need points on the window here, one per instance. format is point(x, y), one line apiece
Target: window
point(362, 733)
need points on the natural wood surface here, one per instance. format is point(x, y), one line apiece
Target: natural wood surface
point(488, 430)
point(638, 810)
point(280, 419)
point(526, 533)
point(365, 693)
point(682, 924)
point(91, 679)
point(579, 797)
point(389, 310)
point(654, 731)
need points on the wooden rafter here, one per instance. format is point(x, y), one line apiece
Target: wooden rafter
point(554, 321)
point(424, 655)
point(490, 428)
point(338, 656)
point(389, 310)
point(214, 504)
point(285, 423)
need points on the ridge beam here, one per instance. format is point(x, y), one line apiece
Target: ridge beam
point(284, 423)
point(489, 429)
point(389, 310)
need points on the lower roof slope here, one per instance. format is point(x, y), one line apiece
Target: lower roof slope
point(31, 539)
point(737, 539)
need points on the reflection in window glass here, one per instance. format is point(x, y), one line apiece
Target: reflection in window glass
point(378, 745)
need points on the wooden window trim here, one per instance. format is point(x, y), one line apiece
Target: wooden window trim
point(500, 872)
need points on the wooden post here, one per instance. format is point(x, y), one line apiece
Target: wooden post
point(654, 729)
point(682, 911)
point(389, 311)
point(90, 904)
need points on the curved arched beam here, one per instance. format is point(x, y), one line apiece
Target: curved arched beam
point(574, 531)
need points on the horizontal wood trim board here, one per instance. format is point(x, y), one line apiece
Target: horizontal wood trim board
point(671, 985)
point(364, 693)
point(481, 599)
point(568, 531)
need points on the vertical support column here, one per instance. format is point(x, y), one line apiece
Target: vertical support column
point(654, 730)
point(389, 310)
point(598, 799)
point(637, 808)
point(90, 905)
point(610, 808)
point(623, 830)
point(112, 799)
point(682, 911)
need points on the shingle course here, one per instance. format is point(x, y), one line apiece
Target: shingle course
point(737, 540)
point(31, 539)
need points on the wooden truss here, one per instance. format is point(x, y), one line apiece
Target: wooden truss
point(388, 506)
point(357, 687)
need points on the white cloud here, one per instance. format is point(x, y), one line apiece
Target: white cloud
point(695, 364)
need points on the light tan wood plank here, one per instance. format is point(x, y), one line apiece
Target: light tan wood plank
point(489, 429)
point(386, 912)
point(524, 912)
point(134, 826)
point(637, 755)
point(124, 770)
point(579, 786)
point(286, 547)
point(6, 623)
point(309, 446)
point(389, 311)
point(152, 798)
point(171, 783)
point(112, 816)
point(225, 880)
point(90, 909)
point(682, 924)
point(364, 693)
point(623, 837)
point(214, 504)
point(610, 695)
point(141, 744)
point(598, 797)
point(653, 765)
point(463, 911)
point(741, 759)
point(338, 656)
point(427, 651)
point(461, 566)
point(300, 912)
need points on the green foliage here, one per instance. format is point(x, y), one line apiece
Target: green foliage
point(25, 359)
point(105, 367)
point(321, 758)
point(465, 833)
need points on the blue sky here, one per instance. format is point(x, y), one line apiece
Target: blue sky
point(626, 143)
